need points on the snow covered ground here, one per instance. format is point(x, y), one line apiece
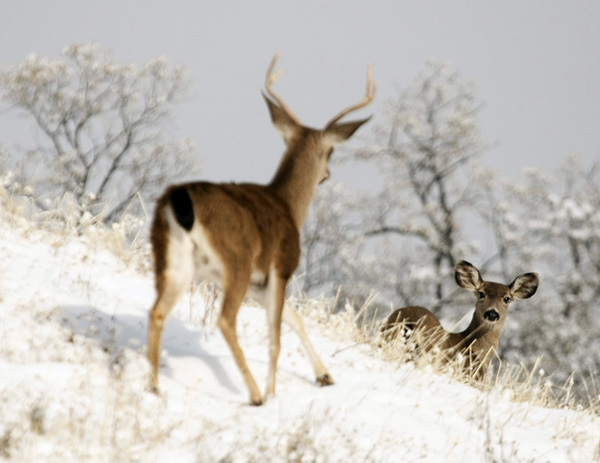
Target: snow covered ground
point(74, 375)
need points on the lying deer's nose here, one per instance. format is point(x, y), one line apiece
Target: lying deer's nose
point(491, 315)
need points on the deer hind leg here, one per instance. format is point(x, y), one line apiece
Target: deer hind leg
point(174, 273)
point(293, 320)
point(165, 301)
point(234, 291)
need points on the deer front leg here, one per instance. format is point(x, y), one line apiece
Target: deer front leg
point(233, 296)
point(275, 304)
point(294, 321)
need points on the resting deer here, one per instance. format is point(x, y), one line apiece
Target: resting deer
point(246, 237)
point(481, 338)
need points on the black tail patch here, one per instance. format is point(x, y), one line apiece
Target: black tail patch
point(183, 207)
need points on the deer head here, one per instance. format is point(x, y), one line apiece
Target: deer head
point(493, 299)
point(308, 149)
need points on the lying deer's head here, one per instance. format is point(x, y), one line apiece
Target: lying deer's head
point(493, 299)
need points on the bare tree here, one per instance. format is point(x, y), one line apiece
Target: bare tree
point(404, 240)
point(552, 222)
point(102, 125)
point(425, 148)
point(330, 239)
point(436, 202)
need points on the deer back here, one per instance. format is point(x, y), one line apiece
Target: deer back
point(416, 319)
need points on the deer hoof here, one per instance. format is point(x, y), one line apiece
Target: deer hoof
point(325, 380)
point(257, 402)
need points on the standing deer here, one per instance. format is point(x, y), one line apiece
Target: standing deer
point(246, 237)
point(480, 340)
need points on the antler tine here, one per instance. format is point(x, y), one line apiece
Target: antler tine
point(369, 95)
point(270, 78)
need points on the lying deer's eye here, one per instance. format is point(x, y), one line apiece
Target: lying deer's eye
point(481, 294)
point(506, 300)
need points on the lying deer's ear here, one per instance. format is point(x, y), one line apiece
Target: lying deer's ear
point(467, 276)
point(524, 286)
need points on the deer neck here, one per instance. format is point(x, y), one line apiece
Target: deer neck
point(482, 333)
point(295, 182)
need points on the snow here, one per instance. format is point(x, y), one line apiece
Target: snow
point(74, 381)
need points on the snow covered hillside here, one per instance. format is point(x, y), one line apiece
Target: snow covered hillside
point(74, 376)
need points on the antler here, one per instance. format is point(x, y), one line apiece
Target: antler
point(269, 79)
point(369, 95)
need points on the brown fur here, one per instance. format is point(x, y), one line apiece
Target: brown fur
point(246, 237)
point(259, 225)
point(479, 341)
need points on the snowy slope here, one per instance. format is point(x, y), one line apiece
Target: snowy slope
point(73, 381)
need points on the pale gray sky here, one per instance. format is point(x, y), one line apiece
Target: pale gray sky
point(537, 64)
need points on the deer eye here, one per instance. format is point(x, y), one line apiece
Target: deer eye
point(506, 300)
point(481, 294)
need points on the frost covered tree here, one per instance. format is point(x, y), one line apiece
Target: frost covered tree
point(323, 235)
point(425, 149)
point(552, 223)
point(437, 203)
point(102, 126)
point(404, 240)
point(332, 243)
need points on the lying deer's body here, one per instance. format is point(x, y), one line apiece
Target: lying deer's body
point(480, 339)
point(246, 238)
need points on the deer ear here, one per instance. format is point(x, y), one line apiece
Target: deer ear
point(524, 286)
point(467, 276)
point(284, 124)
point(337, 133)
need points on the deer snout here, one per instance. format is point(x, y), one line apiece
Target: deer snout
point(491, 315)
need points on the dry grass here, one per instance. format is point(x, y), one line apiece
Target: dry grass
point(518, 382)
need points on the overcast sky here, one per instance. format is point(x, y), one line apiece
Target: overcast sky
point(537, 65)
